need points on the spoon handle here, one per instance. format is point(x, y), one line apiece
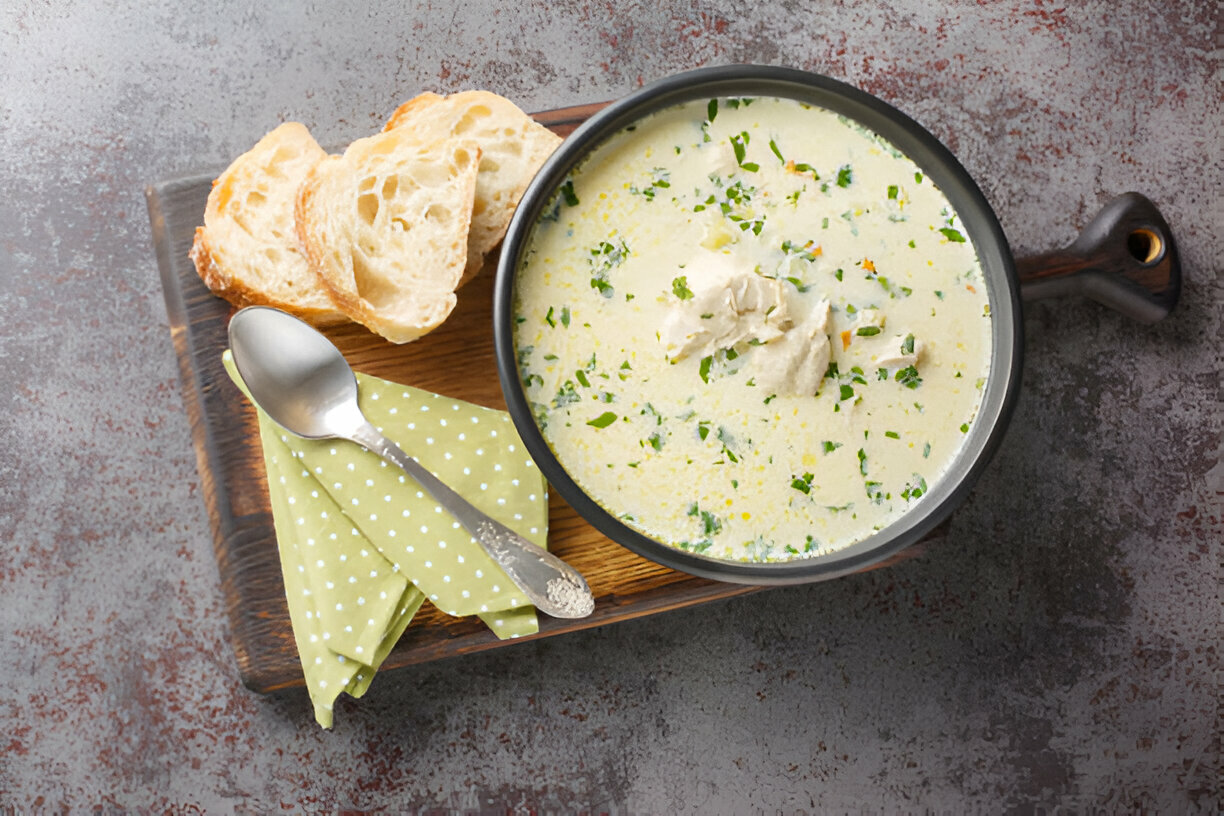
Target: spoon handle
point(553, 586)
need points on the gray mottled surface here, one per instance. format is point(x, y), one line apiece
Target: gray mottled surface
point(1061, 650)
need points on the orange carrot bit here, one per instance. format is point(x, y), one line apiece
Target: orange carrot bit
point(845, 339)
point(790, 166)
point(815, 251)
point(868, 265)
point(969, 286)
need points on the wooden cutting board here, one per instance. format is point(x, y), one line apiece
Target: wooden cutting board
point(455, 360)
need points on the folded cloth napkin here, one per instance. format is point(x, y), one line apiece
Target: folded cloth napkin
point(362, 547)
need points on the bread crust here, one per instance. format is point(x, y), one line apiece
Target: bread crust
point(264, 265)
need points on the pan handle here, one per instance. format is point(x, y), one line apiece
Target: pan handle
point(1124, 259)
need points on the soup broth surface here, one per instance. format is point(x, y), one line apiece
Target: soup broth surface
point(752, 329)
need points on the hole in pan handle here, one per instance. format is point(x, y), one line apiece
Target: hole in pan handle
point(1124, 259)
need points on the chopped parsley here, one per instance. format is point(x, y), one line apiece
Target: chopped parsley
point(603, 258)
point(659, 181)
point(680, 288)
point(908, 377)
point(603, 420)
point(567, 193)
point(916, 487)
point(739, 144)
point(803, 483)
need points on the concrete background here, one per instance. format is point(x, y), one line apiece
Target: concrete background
point(1061, 651)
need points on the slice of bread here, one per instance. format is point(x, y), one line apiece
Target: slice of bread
point(248, 251)
point(385, 228)
point(513, 147)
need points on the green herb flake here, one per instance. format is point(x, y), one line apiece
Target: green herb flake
point(862, 457)
point(868, 331)
point(829, 446)
point(847, 392)
point(952, 235)
point(892, 191)
point(892, 434)
point(739, 144)
point(908, 377)
point(773, 146)
point(916, 488)
point(680, 288)
point(548, 318)
point(965, 428)
point(603, 420)
point(567, 193)
point(844, 176)
point(703, 369)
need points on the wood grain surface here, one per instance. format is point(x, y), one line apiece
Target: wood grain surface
point(456, 360)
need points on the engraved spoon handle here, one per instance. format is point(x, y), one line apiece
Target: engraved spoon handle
point(553, 586)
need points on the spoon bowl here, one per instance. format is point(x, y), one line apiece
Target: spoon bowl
point(302, 381)
point(298, 377)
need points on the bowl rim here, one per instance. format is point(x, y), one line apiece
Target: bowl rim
point(935, 160)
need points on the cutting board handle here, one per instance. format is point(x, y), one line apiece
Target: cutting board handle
point(1125, 259)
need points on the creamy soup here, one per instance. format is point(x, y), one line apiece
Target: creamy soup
point(752, 329)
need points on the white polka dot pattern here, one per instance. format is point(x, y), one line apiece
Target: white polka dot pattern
point(362, 546)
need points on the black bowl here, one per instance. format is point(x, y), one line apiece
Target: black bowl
point(935, 161)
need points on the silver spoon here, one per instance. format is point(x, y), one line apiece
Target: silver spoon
point(302, 381)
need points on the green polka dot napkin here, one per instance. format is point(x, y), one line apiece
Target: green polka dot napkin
point(362, 546)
